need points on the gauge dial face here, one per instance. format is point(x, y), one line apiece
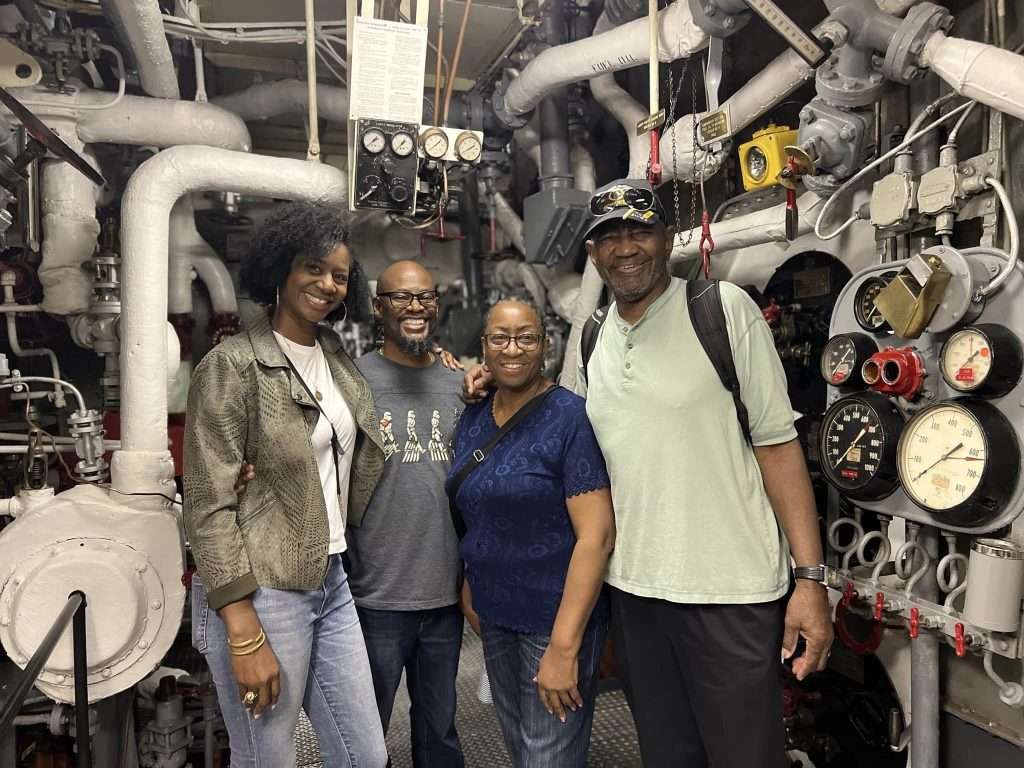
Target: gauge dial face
point(942, 456)
point(402, 144)
point(865, 312)
point(468, 148)
point(843, 357)
point(374, 141)
point(966, 360)
point(858, 446)
point(435, 144)
point(757, 164)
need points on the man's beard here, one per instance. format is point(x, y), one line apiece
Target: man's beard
point(415, 346)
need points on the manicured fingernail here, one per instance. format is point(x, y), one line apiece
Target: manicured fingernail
point(562, 718)
point(255, 717)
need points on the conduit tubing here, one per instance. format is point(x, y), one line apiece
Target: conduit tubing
point(140, 23)
point(281, 97)
point(619, 48)
point(144, 463)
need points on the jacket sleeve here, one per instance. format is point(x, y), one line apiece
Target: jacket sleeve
point(215, 434)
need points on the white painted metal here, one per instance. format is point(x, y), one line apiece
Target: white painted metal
point(281, 97)
point(978, 71)
point(141, 24)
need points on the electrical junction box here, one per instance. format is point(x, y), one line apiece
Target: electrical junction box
point(764, 156)
point(553, 223)
point(386, 166)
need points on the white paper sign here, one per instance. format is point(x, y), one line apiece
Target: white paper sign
point(388, 63)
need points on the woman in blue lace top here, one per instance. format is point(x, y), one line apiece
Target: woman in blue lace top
point(539, 531)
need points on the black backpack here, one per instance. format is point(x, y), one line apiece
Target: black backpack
point(704, 303)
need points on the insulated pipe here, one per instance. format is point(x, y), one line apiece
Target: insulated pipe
point(140, 23)
point(554, 114)
point(978, 71)
point(138, 120)
point(215, 276)
point(620, 48)
point(281, 97)
point(758, 228)
point(509, 221)
point(144, 463)
point(189, 250)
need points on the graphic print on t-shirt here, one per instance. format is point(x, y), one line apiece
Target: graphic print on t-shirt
point(388, 436)
point(438, 450)
point(413, 448)
point(437, 447)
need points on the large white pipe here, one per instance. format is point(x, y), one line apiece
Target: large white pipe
point(993, 76)
point(141, 24)
point(619, 48)
point(758, 228)
point(282, 97)
point(138, 120)
point(144, 464)
point(215, 276)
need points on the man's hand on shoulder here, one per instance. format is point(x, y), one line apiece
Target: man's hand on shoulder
point(476, 383)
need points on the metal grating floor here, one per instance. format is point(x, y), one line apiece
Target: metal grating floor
point(613, 744)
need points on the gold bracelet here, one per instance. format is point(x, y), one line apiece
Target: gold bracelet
point(245, 645)
point(249, 651)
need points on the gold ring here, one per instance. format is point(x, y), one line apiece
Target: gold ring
point(250, 698)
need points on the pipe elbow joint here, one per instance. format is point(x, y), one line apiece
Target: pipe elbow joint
point(505, 117)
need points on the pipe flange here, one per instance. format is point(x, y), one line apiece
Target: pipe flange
point(720, 18)
point(902, 57)
point(506, 118)
point(847, 90)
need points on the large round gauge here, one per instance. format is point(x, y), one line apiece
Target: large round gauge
point(857, 445)
point(959, 460)
point(402, 144)
point(468, 147)
point(374, 141)
point(843, 357)
point(865, 312)
point(434, 142)
point(982, 360)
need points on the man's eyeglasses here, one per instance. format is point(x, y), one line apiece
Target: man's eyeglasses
point(621, 196)
point(527, 342)
point(402, 299)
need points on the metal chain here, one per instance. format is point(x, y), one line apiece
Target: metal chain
point(674, 91)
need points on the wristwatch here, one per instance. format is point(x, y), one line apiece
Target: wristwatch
point(816, 573)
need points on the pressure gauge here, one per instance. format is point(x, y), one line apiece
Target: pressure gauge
point(757, 164)
point(982, 360)
point(435, 143)
point(843, 357)
point(374, 141)
point(402, 144)
point(960, 461)
point(865, 312)
point(857, 446)
point(468, 147)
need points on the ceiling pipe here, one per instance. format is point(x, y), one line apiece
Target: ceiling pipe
point(141, 26)
point(283, 97)
point(144, 465)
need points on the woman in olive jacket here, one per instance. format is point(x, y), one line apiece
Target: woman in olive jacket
point(272, 610)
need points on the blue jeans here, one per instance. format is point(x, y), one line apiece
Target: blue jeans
point(426, 644)
point(534, 738)
point(315, 636)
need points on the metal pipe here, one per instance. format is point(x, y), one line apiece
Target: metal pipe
point(81, 665)
point(281, 97)
point(924, 669)
point(35, 665)
point(453, 70)
point(140, 23)
point(313, 153)
point(555, 171)
point(471, 244)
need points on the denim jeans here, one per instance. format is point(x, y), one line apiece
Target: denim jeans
point(426, 644)
point(324, 670)
point(534, 738)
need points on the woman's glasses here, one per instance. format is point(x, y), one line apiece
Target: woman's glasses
point(527, 342)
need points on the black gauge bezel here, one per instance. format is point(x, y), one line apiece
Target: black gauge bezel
point(1007, 361)
point(864, 347)
point(1000, 474)
point(858, 298)
point(885, 480)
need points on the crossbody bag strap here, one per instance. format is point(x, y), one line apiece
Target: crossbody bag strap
point(336, 448)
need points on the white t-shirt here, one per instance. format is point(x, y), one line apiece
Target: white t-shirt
point(312, 367)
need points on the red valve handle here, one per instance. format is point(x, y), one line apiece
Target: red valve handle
point(849, 594)
point(958, 630)
point(879, 605)
point(654, 166)
point(915, 623)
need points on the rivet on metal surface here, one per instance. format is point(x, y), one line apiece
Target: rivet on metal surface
point(156, 605)
point(107, 672)
point(143, 644)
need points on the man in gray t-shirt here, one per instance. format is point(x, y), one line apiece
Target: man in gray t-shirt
point(404, 557)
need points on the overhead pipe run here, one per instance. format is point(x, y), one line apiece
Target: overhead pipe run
point(282, 97)
point(140, 23)
point(144, 465)
point(978, 71)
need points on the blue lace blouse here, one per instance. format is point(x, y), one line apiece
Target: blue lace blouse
point(519, 537)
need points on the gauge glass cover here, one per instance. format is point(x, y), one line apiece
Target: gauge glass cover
point(468, 148)
point(402, 144)
point(966, 359)
point(865, 312)
point(942, 457)
point(374, 141)
point(854, 441)
point(435, 144)
point(757, 164)
point(838, 361)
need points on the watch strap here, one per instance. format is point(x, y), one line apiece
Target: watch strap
point(810, 573)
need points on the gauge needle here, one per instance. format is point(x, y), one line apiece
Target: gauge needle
point(948, 454)
point(852, 446)
point(842, 359)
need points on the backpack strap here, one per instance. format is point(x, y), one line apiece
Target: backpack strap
point(704, 303)
point(588, 339)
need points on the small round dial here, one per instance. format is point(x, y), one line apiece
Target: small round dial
point(402, 144)
point(982, 359)
point(368, 187)
point(435, 143)
point(959, 460)
point(757, 164)
point(468, 147)
point(843, 357)
point(865, 312)
point(374, 141)
point(857, 446)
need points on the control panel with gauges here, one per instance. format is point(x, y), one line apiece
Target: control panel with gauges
point(386, 165)
point(926, 427)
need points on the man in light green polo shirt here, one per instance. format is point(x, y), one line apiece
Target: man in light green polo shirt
point(706, 522)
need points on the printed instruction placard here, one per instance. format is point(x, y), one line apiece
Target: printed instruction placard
point(388, 63)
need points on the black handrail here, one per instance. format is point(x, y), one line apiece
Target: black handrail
point(74, 608)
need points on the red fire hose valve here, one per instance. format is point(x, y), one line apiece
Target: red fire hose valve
point(895, 372)
point(915, 623)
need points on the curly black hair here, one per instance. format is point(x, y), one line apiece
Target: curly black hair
point(302, 229)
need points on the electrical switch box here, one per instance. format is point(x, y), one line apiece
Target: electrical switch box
point(386, 166)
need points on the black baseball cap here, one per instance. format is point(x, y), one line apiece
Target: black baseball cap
point(625, 200)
